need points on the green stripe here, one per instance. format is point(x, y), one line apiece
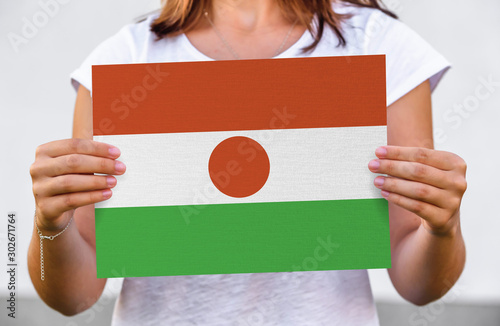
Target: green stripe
point(242, 238)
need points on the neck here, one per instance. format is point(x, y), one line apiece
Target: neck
point(247, 16)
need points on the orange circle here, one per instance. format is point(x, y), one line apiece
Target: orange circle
point(239, 166)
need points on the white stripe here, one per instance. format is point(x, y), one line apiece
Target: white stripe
point(306, 164)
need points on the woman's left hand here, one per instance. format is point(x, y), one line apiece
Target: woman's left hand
point(427, 182)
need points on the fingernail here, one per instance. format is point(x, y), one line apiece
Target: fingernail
point(374, 164)
point(111, 181)
point(119, 166)
point(106, 193)
point(115, 152)
point(385, 194)
point(381, 152)
point(379, 181)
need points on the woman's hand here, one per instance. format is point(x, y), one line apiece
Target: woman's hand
point(427, 182)
point(63, 177)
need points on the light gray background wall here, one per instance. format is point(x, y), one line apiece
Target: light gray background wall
point(36, 103)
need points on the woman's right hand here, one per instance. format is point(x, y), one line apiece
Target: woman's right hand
point(63, 179)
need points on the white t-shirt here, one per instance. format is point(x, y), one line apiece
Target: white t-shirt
point(292, 298)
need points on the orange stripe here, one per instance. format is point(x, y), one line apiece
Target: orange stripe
point(204, 96)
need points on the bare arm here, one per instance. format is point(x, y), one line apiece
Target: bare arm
point(424, 189)
point(64, 185)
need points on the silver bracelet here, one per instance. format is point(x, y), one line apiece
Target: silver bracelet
point(48, 237)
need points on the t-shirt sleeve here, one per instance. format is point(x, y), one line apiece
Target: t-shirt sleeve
point(410, 60)
point(117, 49)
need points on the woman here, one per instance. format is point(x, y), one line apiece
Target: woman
point(424, 186)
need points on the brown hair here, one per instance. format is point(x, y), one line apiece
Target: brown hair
point(178, 16)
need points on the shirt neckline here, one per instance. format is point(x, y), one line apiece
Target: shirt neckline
point(287, 53)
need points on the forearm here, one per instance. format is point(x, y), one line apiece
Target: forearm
point(70, 285)
point(426, 265)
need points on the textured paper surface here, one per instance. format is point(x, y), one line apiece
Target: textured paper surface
point(318, 120)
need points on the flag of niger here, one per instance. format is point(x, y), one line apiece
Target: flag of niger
point(245, 166)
